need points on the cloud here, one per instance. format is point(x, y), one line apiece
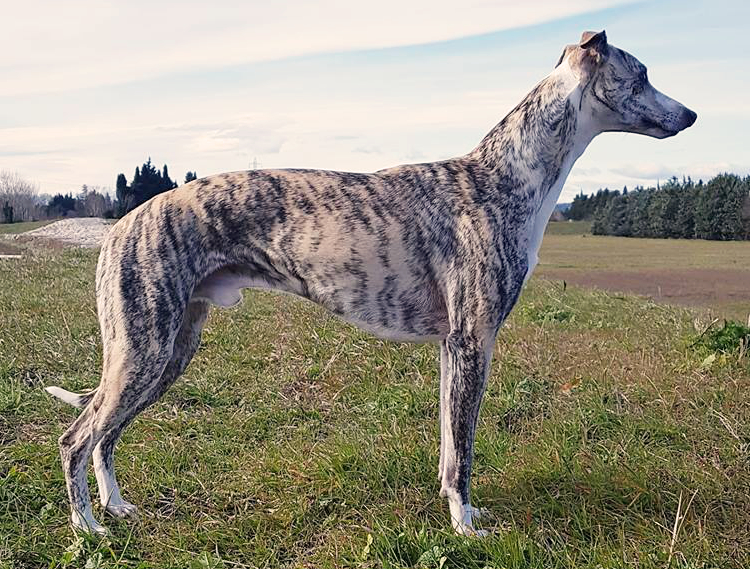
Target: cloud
point(14, 153)
point(186, 88)
point(245, 139)
point(645, 171)
point(105, 43)
point(644, 175)
point(653, 172)
point(367, 150)
point(415, 156)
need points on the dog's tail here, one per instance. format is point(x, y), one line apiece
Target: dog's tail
point(74, 399)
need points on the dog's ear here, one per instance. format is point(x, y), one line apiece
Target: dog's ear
point(595, 44)
point(586, 56)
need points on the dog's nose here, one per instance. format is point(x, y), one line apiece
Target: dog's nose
point(690, 117)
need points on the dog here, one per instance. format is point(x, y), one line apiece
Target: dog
point(436, 252)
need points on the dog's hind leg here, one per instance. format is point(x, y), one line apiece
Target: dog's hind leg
point(123, 385)
point(185, 345)
point(467, 356)
point(136, 353)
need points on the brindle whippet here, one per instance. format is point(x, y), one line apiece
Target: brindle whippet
point(435, 252)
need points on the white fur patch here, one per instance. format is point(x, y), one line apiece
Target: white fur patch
point(585, 132)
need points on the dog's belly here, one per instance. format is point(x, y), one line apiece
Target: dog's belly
point(433, 333)
point(419, 319)
point(408, 313)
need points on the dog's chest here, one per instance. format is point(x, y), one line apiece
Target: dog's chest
point(538, 223)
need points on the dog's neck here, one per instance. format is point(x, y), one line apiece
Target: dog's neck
point(534, 147)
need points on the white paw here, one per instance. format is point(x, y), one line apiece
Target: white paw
point(123, 510)
point(481, 533)
point(479, 513)
point(463, 516)
point(470, 531)
point(87, 525)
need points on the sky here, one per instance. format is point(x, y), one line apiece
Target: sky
point(92, 88)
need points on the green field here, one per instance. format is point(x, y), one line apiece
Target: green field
point(571, 245)
point(21, 227)
point(608, 439)
point(569, 228)
point(713, 275)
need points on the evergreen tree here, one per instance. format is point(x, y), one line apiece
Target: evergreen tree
point(8, 212)
point(122, 193)
point(599, 225)
point(618, 221)
point(61, 205)
point(165, 177)
point(746, 209)
point(729, 224)
point(190, 176)
point(663, 208)
point(147, 183)
point(703, 212)
point(639, 213)
point(656, 226)
point(684, 226)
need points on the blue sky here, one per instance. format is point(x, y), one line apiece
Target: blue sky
point(92, 88)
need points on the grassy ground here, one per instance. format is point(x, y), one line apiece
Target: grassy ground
point(569, 228)
point(606, 439)
point(588, 251)
point(708, 274)
point(8, 228)
point(599, 252)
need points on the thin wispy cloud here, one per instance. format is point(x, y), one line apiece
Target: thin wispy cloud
point(85, 43)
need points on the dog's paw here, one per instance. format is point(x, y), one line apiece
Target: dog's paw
point(479, 513)
point(464, 515)
point(470, 531)
point(123, 510)
point(88, 525)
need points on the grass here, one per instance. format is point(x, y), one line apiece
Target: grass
point(607, 439)
point(596, 252)
point(709, 274)
point(21, 227)
point(569, 228)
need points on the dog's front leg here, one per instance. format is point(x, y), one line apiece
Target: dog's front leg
point(443, 405)
point(464, 374)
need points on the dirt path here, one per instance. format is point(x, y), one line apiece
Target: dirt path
point(76, 231)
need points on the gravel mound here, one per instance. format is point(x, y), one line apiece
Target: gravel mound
point(77, 231)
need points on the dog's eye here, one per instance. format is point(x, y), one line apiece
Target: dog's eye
point(637, 88)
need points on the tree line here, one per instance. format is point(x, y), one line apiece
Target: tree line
point(718, 210)
point(147, 182)
point(20, 200)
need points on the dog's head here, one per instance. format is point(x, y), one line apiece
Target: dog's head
point(617, 93)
